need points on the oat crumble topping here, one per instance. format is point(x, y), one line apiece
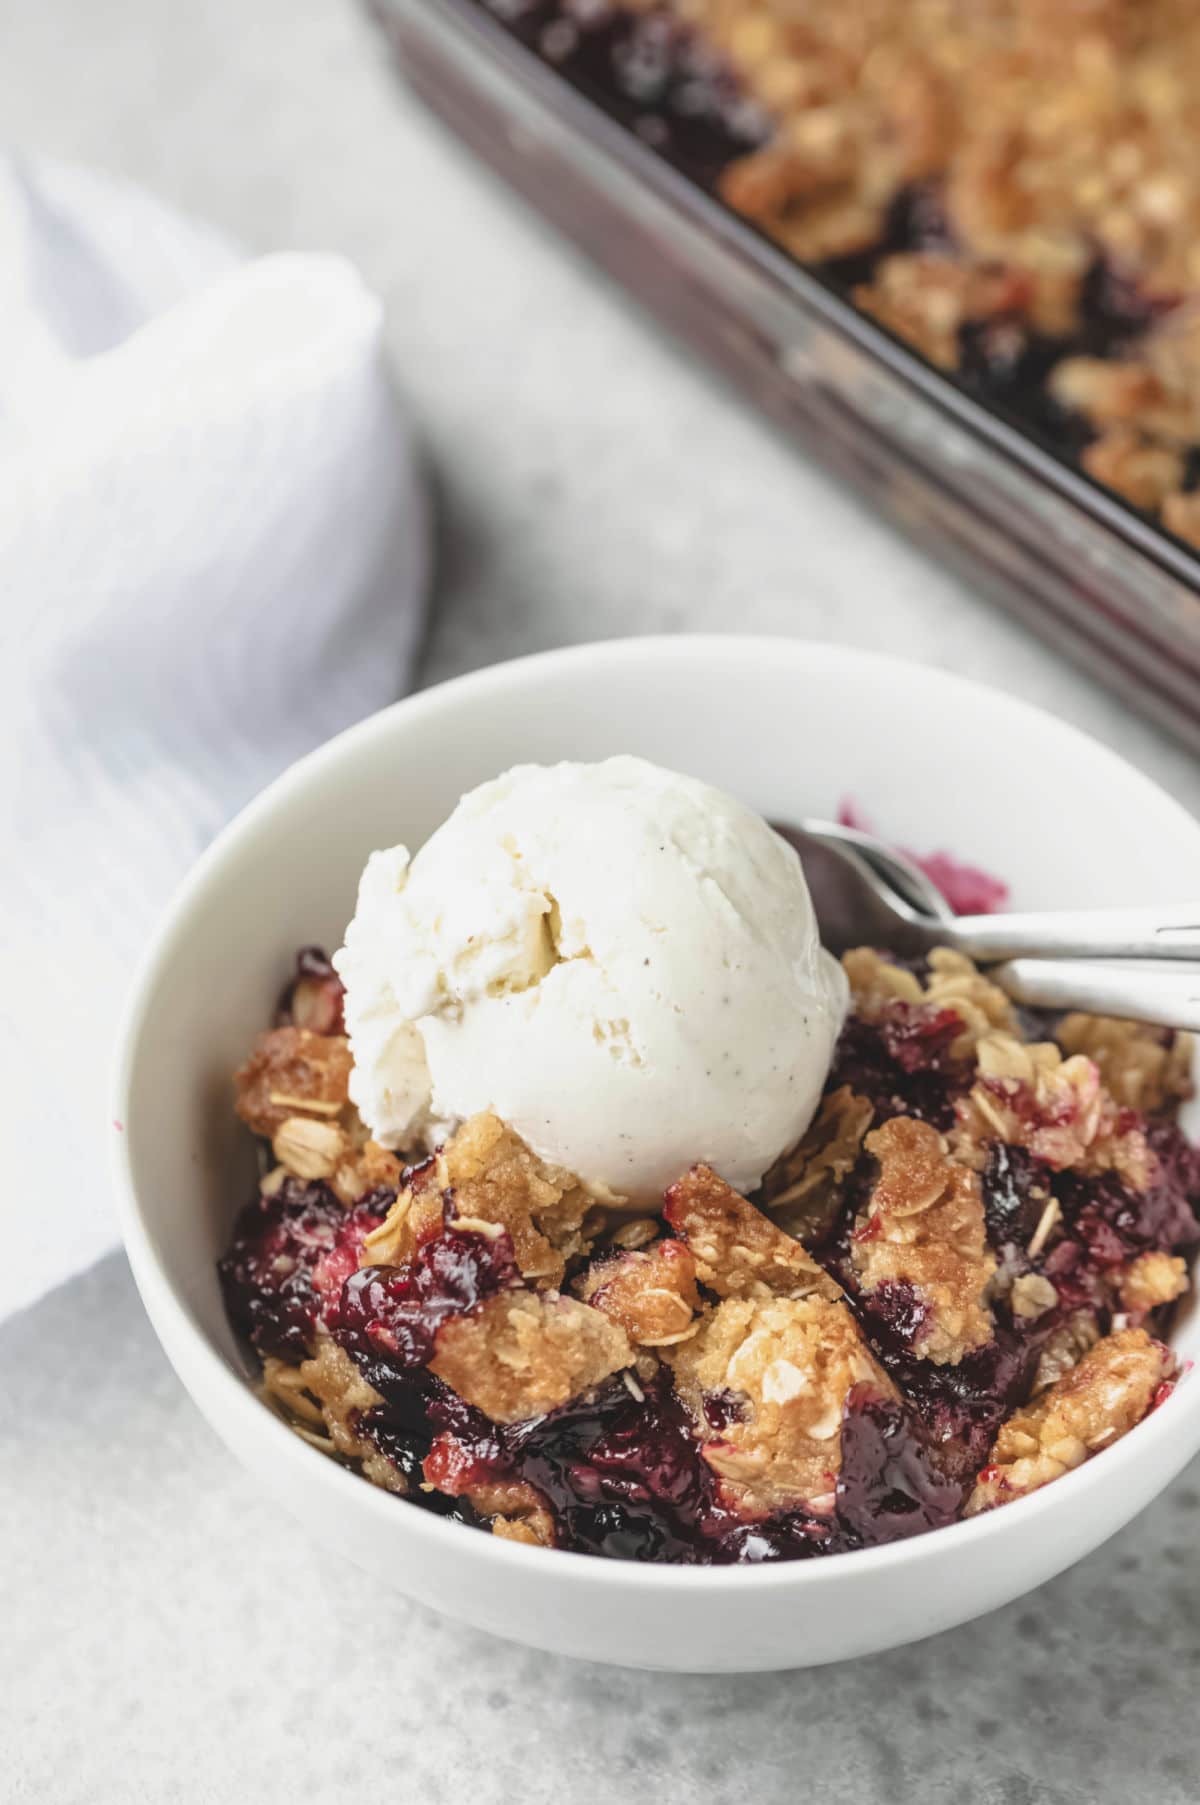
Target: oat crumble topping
point(950, 1293)
point(289, 1070)
point(791, 1363)
point(650, 1293)
point(1054, 136)
point(1028, 1095)
point(923, 1227)
point(525, 1353)
point(1011, 187)
point(739, 1251)
point(1089, 1408)
point(1142, 1067)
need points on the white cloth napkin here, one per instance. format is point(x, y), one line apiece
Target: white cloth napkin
point(213, 555)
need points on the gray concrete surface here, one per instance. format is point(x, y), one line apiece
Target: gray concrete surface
point(162, 1638)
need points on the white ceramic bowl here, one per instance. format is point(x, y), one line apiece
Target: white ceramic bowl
point(793, 728)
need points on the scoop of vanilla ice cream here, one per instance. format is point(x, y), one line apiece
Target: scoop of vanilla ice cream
point(620, 962)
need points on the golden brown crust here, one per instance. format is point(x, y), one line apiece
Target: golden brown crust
point(416, 1214)
point(1113, 394)
point(1146, 409)
point(292, 1072)
point(875, 982)
point(308, 1148)
point(1152, 1280)
point(491, 1176)
point(923, 1226)
point(650, 1292)
point(1030, 1096)
point(953, 982)
point(739, 1252)
point(1138, 469)
point(1142, 1067)
point(1054, 132)
point(1181, 516)
point(781, 1350)
point(1031, 1295)
point(927, 298)
point(1058, 126)
point(366, 1168)
point(524, 1353)
point(331, 1144)
point(531, 1524)
point(495, 1176)
point(1094, 1404)
point(789, 1364)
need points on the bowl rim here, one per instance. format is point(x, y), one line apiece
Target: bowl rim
point(227, 1394)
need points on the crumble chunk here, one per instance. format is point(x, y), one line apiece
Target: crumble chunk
point(736, 1347)
point(524, 1353)
point(495, 1176)
point(927, 298)
point(327, 1392)
point(308, 1148)
point(338, 1151)
point(1138, 469)
point(492, 1177)
point(790, 1362)
point(1032, 1294)
point(512, 1508)
point(1150, 1281)
point(292, 1072)
point(953, 982)
point(1150, 397)
point(803, 1189)
point(1091, 1406)
point(366, 1168)
point(1145, 407)
point(1115, 394)
point(1034, 161)
point(633, 1232)
point(875, 982)
point(1030, 1096)
point(1181, 516)
point(535, 1529)
point(1053, 127)
point(799, 188)
point(650, 1292)
point(1142, 1067)
point(923, 1227)
point(739, 1252)
point(416, 1214)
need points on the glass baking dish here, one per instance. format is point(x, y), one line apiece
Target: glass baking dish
point(1098, 580)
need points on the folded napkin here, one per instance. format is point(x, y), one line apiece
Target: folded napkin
point(213, 554)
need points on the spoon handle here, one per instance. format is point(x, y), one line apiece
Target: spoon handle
point(1168, 931)
point(1167, 996)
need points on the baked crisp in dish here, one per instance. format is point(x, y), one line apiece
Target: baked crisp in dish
point(1010, 186)
point(954, 1290)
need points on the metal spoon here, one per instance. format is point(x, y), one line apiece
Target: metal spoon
point(866, 894)
point(895, 868)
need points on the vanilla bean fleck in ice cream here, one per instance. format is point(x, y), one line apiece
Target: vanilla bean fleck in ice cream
point(620, 962)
